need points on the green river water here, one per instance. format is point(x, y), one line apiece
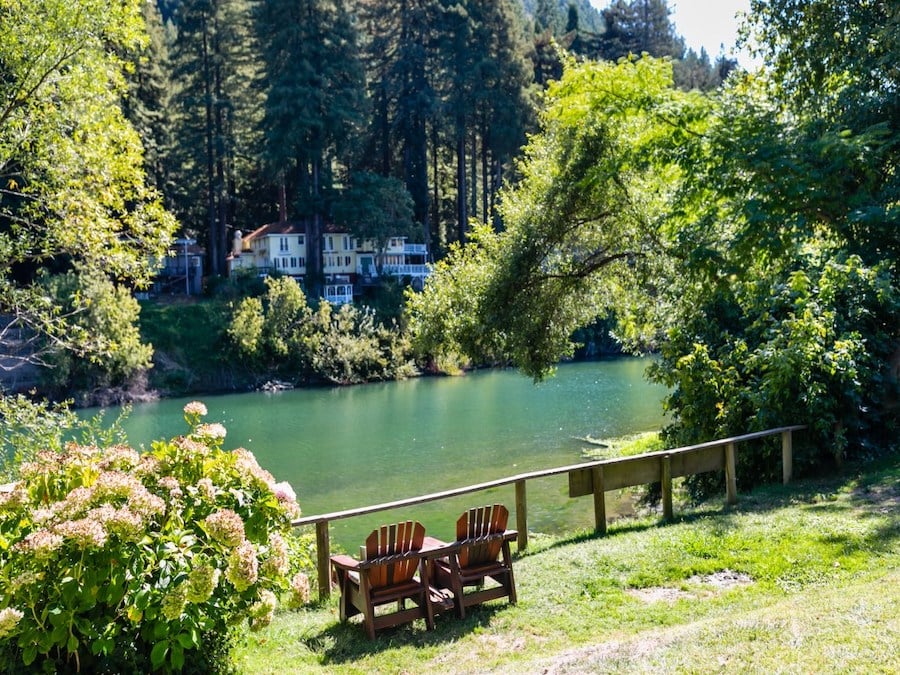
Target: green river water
point(353, 446)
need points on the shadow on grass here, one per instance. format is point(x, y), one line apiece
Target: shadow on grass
point(346, 641)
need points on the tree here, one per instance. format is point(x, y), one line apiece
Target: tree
point(215, 61)
point(400, 53)
point(314, 97)
point(149, 97)
point(585, 214)
point(481, 57)
point(73, 193)
point(750, 235)
point(375, 208)
point(638, 27)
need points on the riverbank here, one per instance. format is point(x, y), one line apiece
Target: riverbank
point(797, 578)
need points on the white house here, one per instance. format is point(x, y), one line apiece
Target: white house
point(348, 262)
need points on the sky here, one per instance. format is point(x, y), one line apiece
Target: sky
point(704, 23)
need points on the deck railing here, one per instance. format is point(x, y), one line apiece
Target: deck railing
point(589, 478)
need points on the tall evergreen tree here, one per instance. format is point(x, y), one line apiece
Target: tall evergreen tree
point(637, 27)
point(399, 55)
point(483, 78)
point(502, 105)
point(314, 83)
point(214, 58)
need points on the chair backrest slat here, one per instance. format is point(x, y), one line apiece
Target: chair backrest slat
point(389, 540)
point(481, 522)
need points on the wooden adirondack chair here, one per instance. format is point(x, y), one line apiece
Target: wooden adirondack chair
point(481, 551)
point(391, 557)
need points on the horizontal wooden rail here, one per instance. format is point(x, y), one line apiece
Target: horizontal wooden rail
point(594, 478)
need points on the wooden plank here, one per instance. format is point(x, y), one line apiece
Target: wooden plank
point(629, 471)
point(599, 499)
point(521, 516)
point(323, 555)
point(581, 482)
point(730, 475)
point(666, 480)
point(787, 457)
point(697, 461)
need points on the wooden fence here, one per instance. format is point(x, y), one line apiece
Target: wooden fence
point(590, 478)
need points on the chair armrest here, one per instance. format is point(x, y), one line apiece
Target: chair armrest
point(345, 562)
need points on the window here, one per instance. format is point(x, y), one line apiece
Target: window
point(347, 261)
point(300, 240)
point(293, 262)
point(283, 244)
point(329, 243)
point(302, 262)
point(346, 243)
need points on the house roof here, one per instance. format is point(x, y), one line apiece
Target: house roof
point(284, 227)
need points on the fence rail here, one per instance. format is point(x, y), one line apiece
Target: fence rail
point(588, 478)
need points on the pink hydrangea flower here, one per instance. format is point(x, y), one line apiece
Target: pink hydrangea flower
point(225, 526)
point(243, 567)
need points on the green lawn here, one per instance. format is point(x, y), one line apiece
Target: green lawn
point(804, 578)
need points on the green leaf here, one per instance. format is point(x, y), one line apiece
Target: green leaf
point(185, 640)
point(158, 653)
point(177, 657)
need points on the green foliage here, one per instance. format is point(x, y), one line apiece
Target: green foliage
point(73, 192)
point(108, 314)
point(113, 560)
point(750, 235)
point(191, 346)
point(582, 225)
point(281, 334)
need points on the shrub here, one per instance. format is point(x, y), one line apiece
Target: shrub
point(113, 561)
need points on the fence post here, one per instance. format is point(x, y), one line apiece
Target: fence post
point(787, 457)
point(730, 475)
point(666, 480)
point(599, 499)
point(323, 559)
point(521, 516)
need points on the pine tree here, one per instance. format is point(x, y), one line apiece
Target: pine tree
point(399, 54)
point(314, 84)
point(637, 27)
point(214, 65)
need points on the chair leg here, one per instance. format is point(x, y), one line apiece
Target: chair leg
point(511, 580)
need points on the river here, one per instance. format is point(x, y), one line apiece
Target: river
point(354, 446)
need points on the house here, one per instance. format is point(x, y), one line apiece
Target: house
point(182, 270)
point(349, 263)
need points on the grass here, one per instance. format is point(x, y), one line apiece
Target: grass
point(803, 578)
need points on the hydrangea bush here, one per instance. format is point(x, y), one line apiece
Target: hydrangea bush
point(113, 560)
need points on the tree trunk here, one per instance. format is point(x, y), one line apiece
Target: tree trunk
point(210, 148)
point(486, 192)
point(438, 234)
point(473, 177)
point(462, 215)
